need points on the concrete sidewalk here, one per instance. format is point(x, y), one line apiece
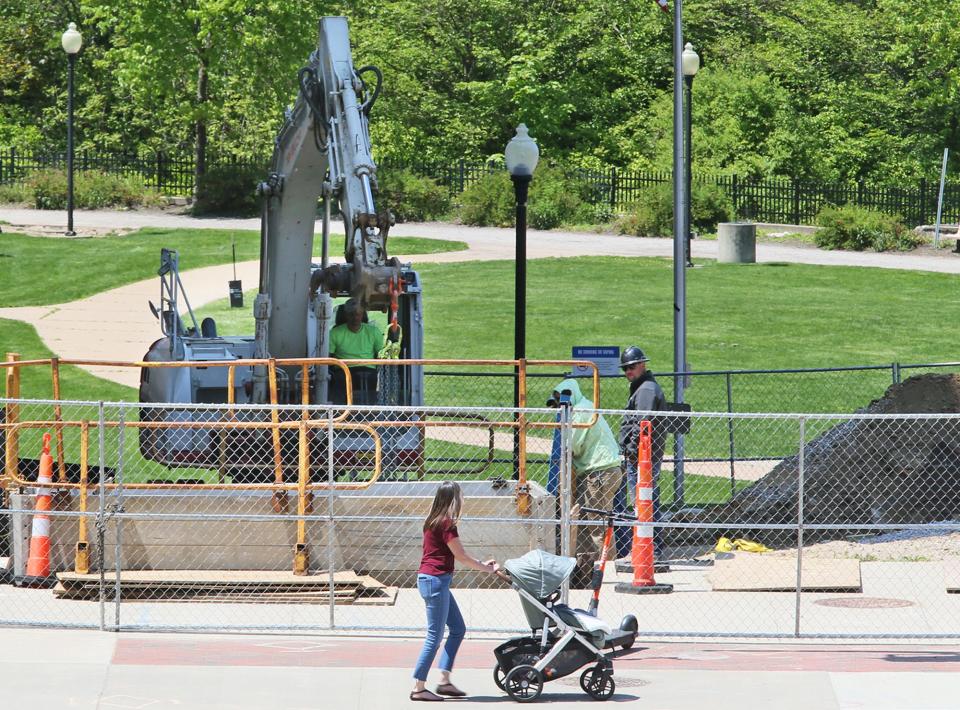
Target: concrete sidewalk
point(51, 669)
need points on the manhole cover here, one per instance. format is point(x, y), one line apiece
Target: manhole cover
point(865, 603)
point(621, 682)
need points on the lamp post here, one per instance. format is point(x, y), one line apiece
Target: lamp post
point(691, 65)
point(680, 211)
point(521, 157)
point(71, 41)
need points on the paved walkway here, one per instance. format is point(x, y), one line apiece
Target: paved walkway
point(47, 670)
point(494, 243)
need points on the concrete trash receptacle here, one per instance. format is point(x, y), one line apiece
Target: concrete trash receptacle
point(737, 242)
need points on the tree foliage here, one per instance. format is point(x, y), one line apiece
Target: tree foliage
point(818, 89)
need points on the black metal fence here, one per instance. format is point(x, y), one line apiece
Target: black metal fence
point(168, 174)
point(778, 200)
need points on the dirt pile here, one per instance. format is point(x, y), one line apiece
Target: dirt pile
point(873, 471)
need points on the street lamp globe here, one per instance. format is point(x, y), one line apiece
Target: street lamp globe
point(690, 61)
point(71, 40)
point(522, 153)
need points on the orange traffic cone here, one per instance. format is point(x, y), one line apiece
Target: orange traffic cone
point(641, 553)
point(38, 564)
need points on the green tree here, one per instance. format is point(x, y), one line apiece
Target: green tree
point(925, 44)
point(33, 71)
point(189, 70)
point(444, 68)
point(818, 89)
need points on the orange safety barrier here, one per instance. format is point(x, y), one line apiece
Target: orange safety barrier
point(521, 422)
point(38, 564)
point(641, 553)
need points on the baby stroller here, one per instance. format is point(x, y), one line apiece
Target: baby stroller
point(562, 639)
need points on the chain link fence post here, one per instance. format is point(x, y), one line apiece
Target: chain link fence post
point(565, 490)
point(800, 472)
point(331, 531)
point(101, 522)
point(117, 513)
point(733, 455)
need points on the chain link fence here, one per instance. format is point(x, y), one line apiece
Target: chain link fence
point(311, 519)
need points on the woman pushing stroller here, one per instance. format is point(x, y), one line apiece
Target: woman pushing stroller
point(441, 546)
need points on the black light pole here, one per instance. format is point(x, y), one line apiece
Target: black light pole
point(691, 65)
point(71, 41)
point(521, 156)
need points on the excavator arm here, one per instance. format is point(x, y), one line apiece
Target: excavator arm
point(323, 149)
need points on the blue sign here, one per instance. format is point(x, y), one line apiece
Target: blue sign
point(605, 357)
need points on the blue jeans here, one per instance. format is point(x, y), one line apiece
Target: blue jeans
point(442, 610)
point(624, 535)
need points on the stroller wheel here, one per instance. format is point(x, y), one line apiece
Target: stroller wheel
point(629, 623)
point(596, 685)
point(524, 683)
point(499, 676)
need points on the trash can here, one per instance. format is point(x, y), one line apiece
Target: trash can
point(737, 242)
point(236, 294)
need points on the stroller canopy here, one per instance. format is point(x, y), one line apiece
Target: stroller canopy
point(540, 573)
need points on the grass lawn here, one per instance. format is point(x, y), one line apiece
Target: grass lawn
point(43, 270)
point(758, 316)
point(762, 316)
point(35, 382)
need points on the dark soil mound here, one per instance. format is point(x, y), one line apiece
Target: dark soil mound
point(872, 471)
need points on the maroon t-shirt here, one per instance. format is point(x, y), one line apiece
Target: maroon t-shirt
point(437, 558)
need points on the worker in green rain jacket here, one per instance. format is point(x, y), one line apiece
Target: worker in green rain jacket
point(597, 475)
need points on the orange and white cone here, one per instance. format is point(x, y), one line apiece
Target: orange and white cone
point(641, 553)
point(38, 564)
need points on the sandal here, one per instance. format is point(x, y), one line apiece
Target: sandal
point(450, 690)
point(424, 695)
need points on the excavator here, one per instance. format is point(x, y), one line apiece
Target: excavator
point(321, 153)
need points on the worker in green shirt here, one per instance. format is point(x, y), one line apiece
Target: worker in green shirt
point(355, 339)
point(597, 475)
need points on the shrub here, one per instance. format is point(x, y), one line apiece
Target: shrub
point(599, 213)
point(858, 228)
point(14, 194)
point(489, 201)
point(555, 198)
point(412, 198)
point(229, 189)
point(49, 189)
point(709, 205)
point(92, 189)
point(652, 216)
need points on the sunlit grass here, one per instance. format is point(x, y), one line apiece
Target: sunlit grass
point(47, 270)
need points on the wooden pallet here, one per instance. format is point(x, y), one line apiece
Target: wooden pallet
point(228, 586)
point(755, 572)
